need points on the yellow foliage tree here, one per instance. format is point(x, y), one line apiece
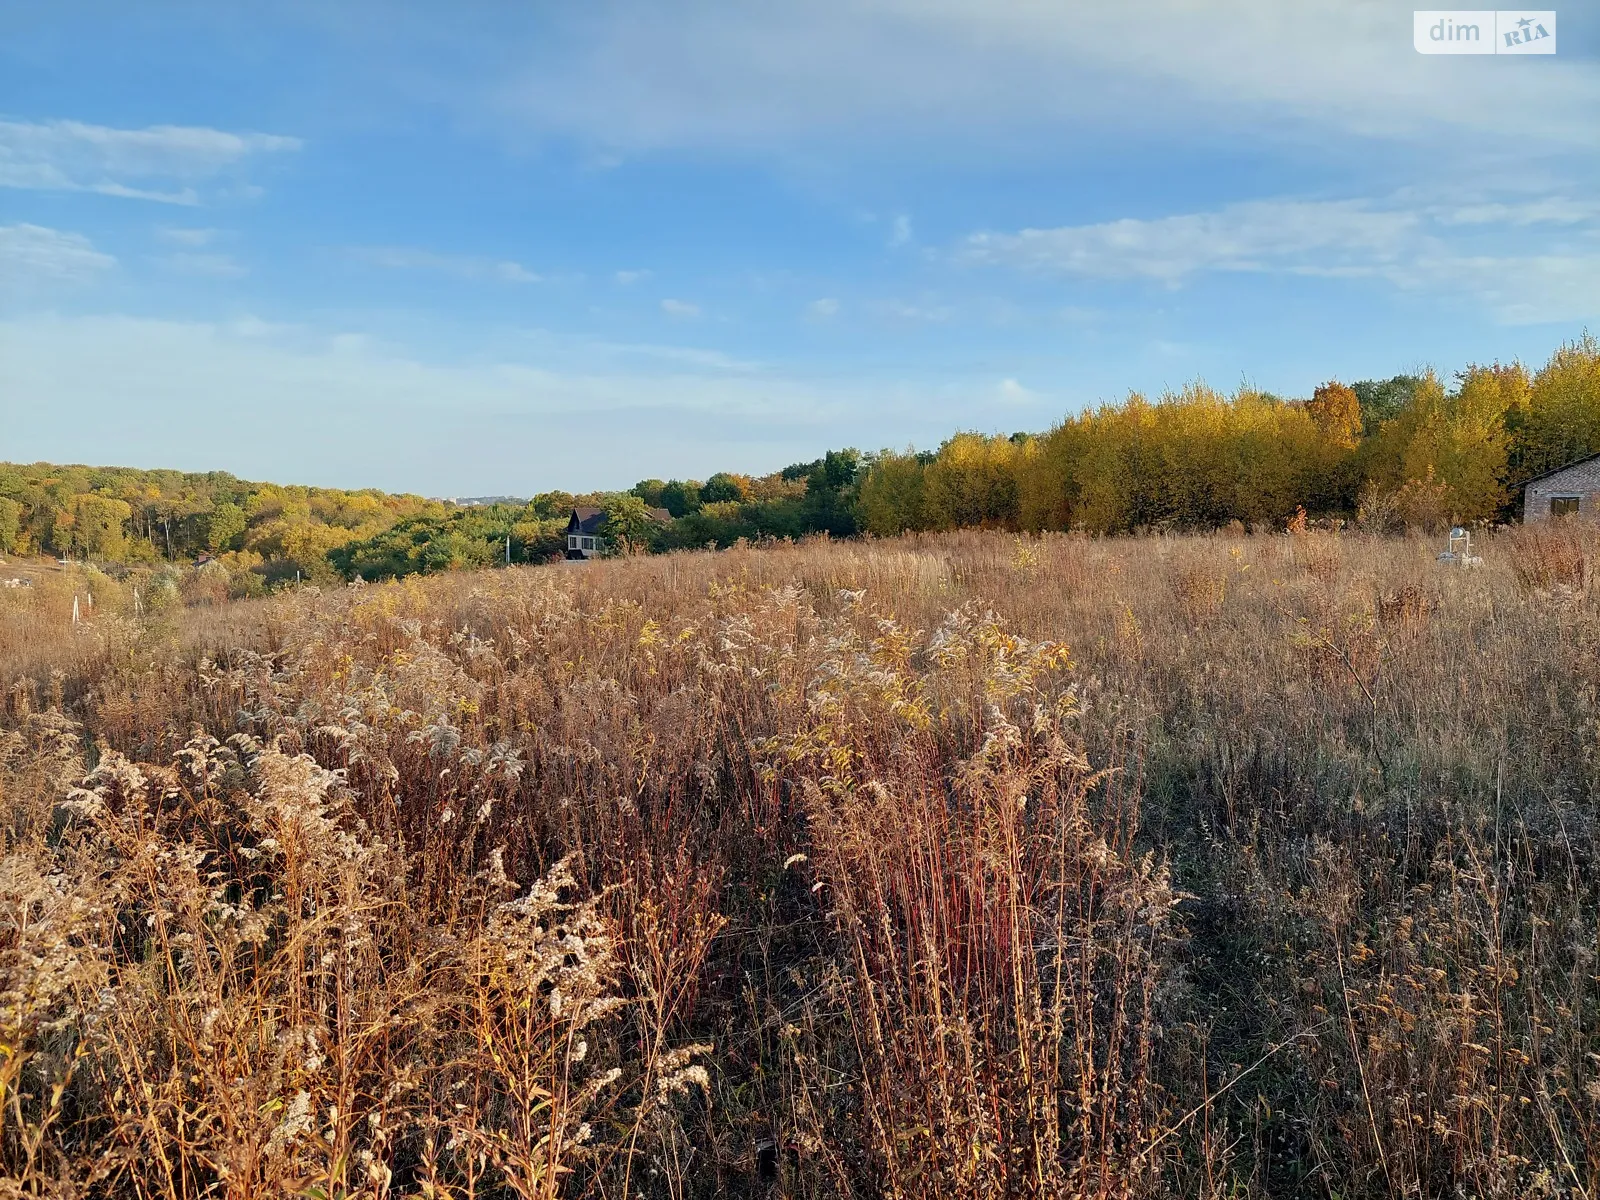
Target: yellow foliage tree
point(96, 528)
point(973, 482)
point(1336, 409)
point(892, 495)
point(1453, 448)
point(1561, 420)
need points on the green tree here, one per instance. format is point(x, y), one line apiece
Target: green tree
point(10, 524)
point(649, 490)
point(835, 471)
point(224, 526)
point(538, 541)
point(628, 523)
point(548, 506)
point(723, 487)
point(680, 498)
point(1382, 400)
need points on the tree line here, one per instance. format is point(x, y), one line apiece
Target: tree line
point(1413, 450)
point(1407, 451)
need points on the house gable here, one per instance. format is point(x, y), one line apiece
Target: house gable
point(583, 532)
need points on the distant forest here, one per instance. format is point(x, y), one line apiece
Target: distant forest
point(1411, 451)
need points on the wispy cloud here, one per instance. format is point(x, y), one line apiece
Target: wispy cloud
point(682, 309)
point(462, 266)
point(824, 309)
point(900, 230)
point(986, 74)
point(1545, 270)
point(33, 254)
point(1540, 210)
point(1262, 235)
point(162, 163)
point(213, 266)
point(629, 278)
point(187, 237)
point(923, 312)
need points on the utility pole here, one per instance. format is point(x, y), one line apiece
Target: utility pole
point(508, 549)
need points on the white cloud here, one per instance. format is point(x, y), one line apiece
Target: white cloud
point(215, 266)
point(928, 313)
point(683, 309)
point(1255, 236)
point(900, 230)
point(1518, 289)
point(629, 278)
point(187, 237)
point(160, 163)
point(992, 73)
point(824, 309)
point(32, 254)
point(1011, 392)
point(462, 266)
point(1542, 210)
point(1524, 260)
point(690, 356)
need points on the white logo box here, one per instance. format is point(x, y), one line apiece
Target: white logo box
point(1484, 31)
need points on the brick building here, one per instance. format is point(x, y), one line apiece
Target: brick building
point(1572, 490)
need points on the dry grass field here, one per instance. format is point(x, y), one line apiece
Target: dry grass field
point(950, 866)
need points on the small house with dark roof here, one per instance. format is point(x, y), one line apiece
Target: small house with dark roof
point(1571, 490)
point(583, 532)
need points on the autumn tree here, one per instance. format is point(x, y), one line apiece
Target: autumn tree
point(1336, 409)
point(1444, 455)
point(1561, 421)
point(892, 494)
point(96, 528)
point(1382, 399)
point(549, 506)
point(973, 481)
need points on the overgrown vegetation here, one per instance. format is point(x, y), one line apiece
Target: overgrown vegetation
point(955, 865)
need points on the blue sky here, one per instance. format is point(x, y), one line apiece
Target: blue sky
point(501, 248)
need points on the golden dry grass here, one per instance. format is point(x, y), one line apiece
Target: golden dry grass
point(955, 865)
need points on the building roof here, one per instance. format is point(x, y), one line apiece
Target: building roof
point(1577, 462)
point(586, 520)
point(589, 520)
